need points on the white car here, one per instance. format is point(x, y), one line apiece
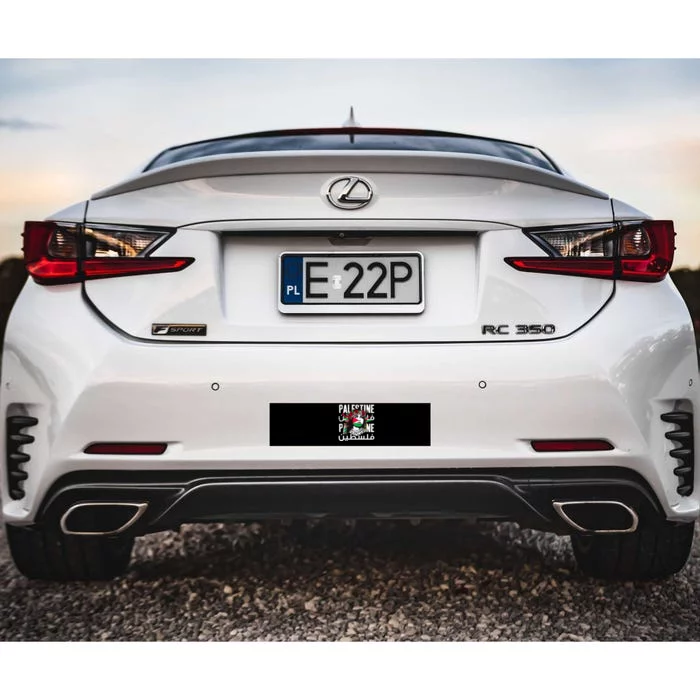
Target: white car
point(351, 323)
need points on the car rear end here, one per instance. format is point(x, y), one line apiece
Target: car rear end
point(349, 334)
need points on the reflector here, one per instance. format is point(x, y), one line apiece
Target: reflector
point(126, 448)
point(570, 445)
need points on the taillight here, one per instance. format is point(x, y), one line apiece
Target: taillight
point(640, 251)
point(56, 253)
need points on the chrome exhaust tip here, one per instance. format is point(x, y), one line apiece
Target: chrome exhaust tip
point(93, 518)
point(597, 517)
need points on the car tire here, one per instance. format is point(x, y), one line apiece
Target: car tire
point(49, 555)
point(651, 552)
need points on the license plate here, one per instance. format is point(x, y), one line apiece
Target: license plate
point(346, 283)
point(350, 424)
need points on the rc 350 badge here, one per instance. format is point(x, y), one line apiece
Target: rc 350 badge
point(520, 329)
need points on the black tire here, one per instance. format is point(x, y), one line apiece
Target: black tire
point(50, 555)
point(652, 552)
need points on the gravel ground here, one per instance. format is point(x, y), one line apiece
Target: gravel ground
point(345, 581)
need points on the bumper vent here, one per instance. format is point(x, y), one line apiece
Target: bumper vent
point(16, 458)
point(685, 452)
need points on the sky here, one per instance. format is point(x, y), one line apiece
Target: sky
point(68, 128)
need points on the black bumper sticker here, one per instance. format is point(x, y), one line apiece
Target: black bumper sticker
point(323, 424)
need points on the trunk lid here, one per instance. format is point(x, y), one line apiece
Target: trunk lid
point(236, 215)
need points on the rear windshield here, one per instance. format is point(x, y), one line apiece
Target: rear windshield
point(355, 142)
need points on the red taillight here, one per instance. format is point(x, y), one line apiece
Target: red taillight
point(654, 266)
point(570, 445)
point(62, 253)
point(111, 267)
point(50, 271)
point(639, 251)
point(581, 267)
point(37, 238)
point(126, 448)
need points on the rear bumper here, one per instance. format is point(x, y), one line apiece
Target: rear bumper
point(611, 380)
point(164, 500)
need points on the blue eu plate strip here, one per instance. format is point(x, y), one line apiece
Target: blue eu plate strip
point(292, 279)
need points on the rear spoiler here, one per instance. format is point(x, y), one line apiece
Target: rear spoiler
point(409, 162)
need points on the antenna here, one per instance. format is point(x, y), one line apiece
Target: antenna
point(350, 121)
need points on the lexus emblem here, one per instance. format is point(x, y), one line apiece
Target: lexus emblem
point(349, 192)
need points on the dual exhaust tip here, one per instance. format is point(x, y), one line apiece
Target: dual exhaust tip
point(98, 518)
point(94, 518)
point(597, 517)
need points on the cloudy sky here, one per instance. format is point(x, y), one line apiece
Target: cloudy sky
point(629, 127)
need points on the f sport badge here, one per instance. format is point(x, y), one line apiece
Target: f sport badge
point(178, 329)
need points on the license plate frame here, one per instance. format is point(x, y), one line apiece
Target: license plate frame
point(291, 271)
